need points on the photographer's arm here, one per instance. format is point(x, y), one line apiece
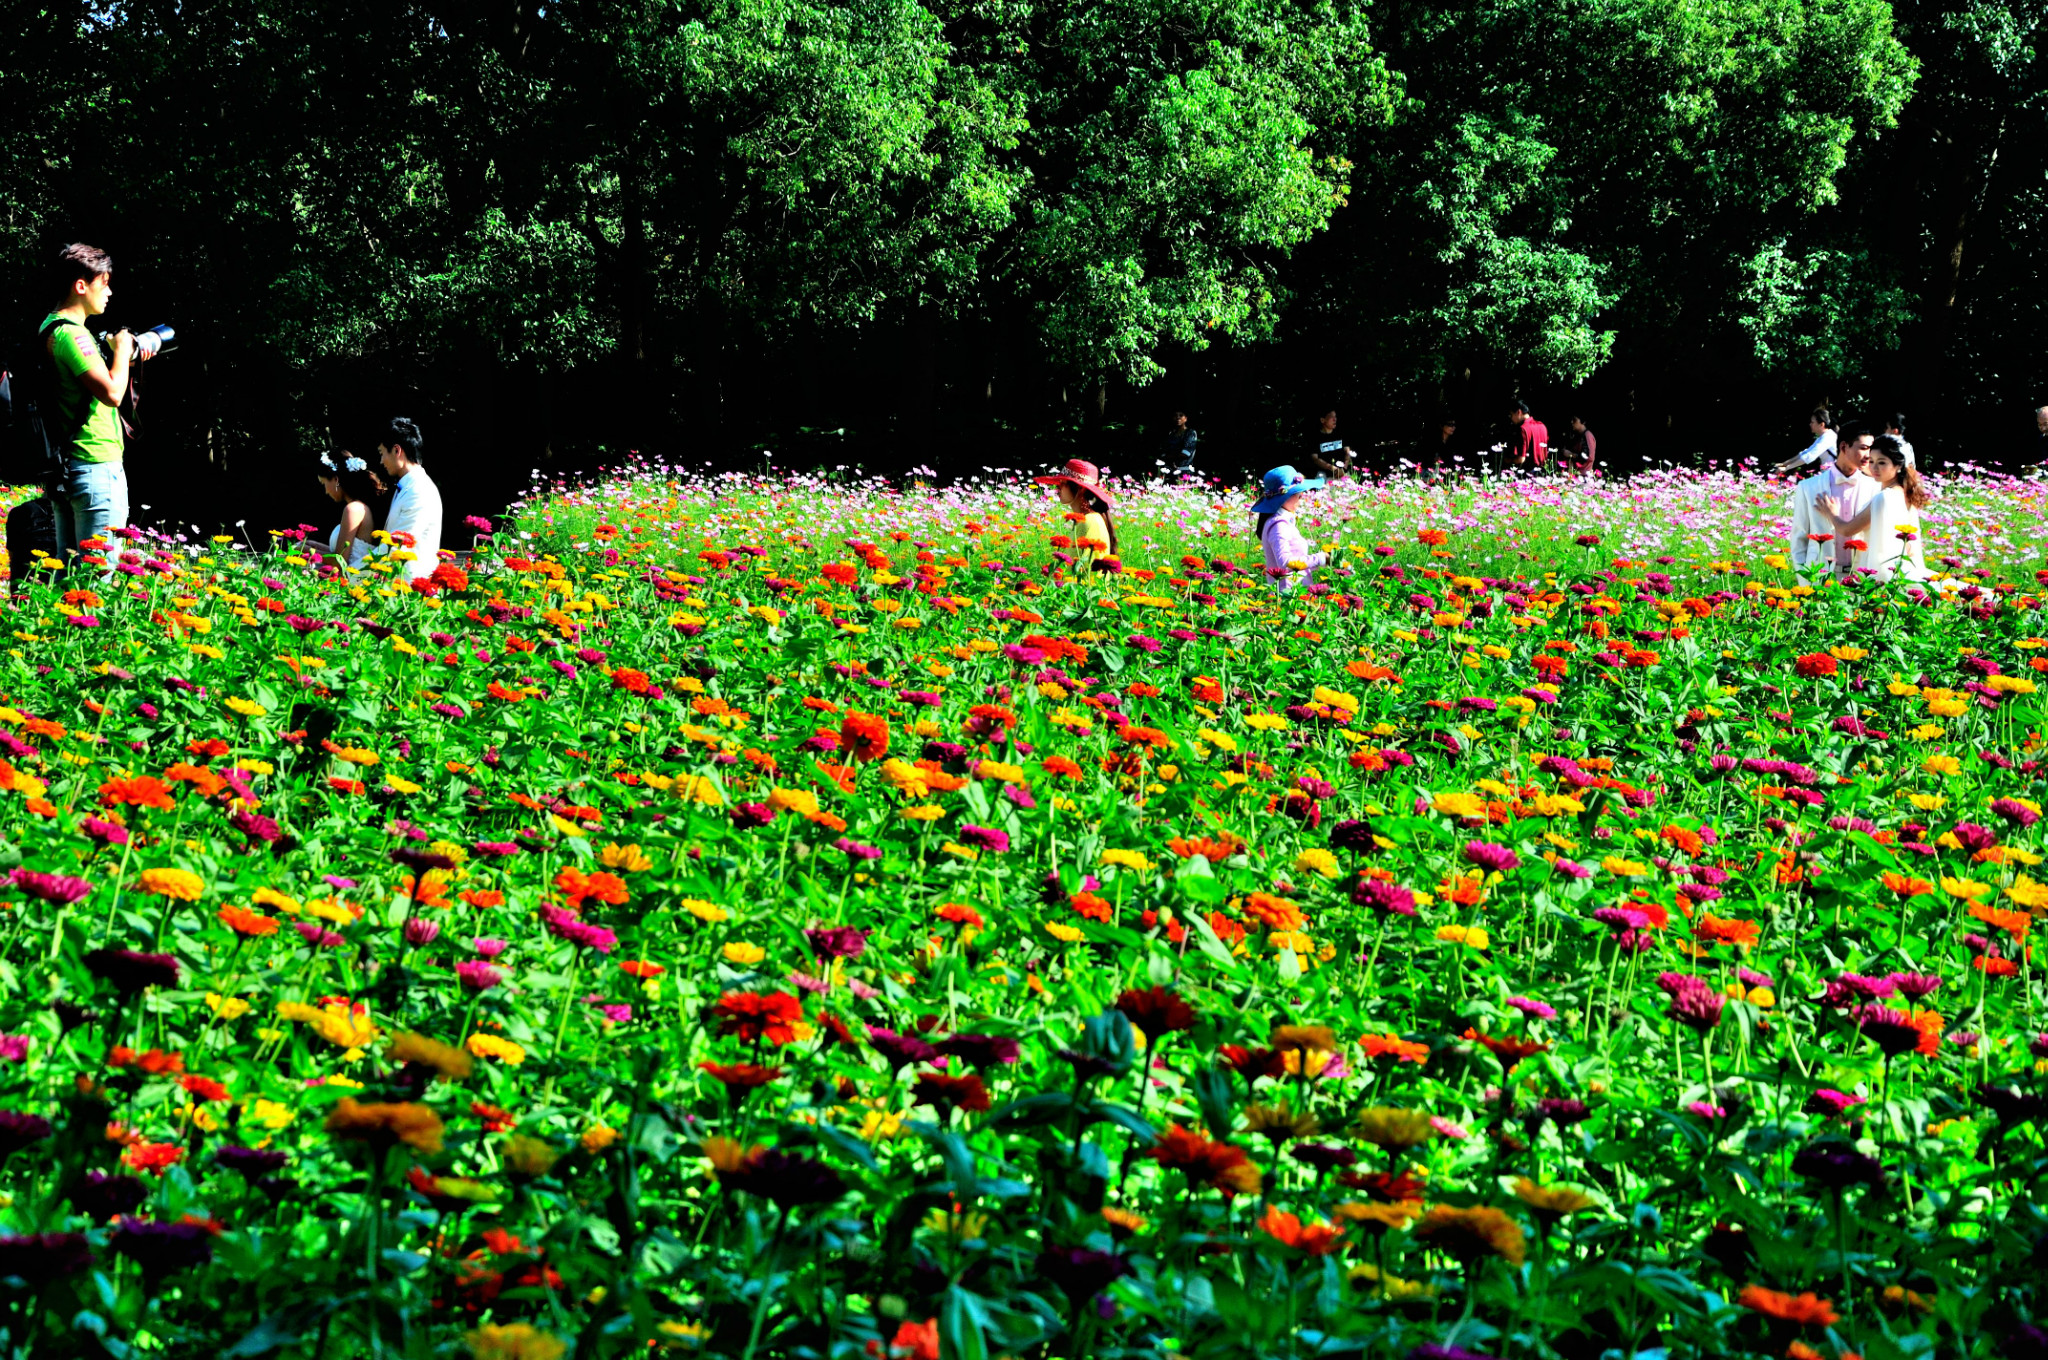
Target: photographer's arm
point(101, 383)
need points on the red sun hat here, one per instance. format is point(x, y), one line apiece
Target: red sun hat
point(1082, 474)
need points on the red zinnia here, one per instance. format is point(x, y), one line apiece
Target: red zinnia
point(865, 736)
point(951, 1093)
point(1221, 1165)
point(754, 1016)
point(742, 1077)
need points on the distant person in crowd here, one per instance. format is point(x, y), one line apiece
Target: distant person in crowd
point(416, 505)
point(1280, 493)
point(1180, 446)
point(1433, 451)
point(1528, 438)
point(1888, 525)
point(1080, 489)
point(90, 495)
point(1578, 451)
point(1330, 453)
point(2039, 447)
point(1821, 424)
point(1895, 426)
point(346, 480)
point(1843, 480)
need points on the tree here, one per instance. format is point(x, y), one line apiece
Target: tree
point(1569, 182)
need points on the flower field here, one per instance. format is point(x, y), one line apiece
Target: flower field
point(740, 918)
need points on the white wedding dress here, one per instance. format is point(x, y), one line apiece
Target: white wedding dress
point(358, 551)
point(1889, 555)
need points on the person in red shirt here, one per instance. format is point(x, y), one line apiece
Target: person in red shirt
point(1529, 445)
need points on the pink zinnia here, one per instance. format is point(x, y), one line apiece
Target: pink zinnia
point(317, 935)
point(577, 931)
point(986, 838)
point(58, 888)
point(1828, 1101)
point(1494, 859)
point(478, 976)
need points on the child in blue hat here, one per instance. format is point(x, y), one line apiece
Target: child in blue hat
point(1279, 492)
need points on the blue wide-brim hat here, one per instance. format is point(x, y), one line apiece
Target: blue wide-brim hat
point(1276, 486)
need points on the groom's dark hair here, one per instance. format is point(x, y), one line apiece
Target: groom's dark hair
point(1852, 432)
point(405, 435)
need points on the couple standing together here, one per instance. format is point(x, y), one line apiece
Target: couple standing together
point(415, 505)
point(1861, 512)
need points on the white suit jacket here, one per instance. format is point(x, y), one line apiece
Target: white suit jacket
point(1853, 492)
point(416, 509)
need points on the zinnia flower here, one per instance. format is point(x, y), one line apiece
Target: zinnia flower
point(131, 972)
point(1157, 1011)
point(1221, 1166)
point(1806, 1309)
point(180, 885)
point(385, 1124)
point(753, 1016)
point(1472, 1234)
point(60, 889)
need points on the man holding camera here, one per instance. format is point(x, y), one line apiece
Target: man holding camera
point(90, 495)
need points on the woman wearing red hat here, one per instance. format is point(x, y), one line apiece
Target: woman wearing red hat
point(1087, 501)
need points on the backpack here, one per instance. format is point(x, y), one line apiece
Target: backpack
point(30, 454)
point(30, 525)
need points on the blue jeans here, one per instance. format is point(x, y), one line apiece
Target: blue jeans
point(91, 498)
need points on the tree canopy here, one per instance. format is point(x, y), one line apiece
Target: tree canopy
point(611, 221)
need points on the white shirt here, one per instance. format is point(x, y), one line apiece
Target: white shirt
point(416, 510)
point(1822, 447)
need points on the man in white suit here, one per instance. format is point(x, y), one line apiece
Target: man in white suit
point(1844, 480)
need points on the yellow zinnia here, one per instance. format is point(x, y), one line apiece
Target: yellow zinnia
point(180, 885)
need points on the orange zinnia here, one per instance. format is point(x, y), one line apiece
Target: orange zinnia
point(1214, 850)
point(1061, 766)
point(1317, 1239)
point(141, 792)
point(1682, 839)
point(1277, 912)
point(1712, 930)
point(1808, 1310)
point(1906, 886)
point(245, 922)
point(2015, 923)
point(1465, 892)
point(1395, 1047)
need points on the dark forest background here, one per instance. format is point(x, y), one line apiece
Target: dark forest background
point(967, 233)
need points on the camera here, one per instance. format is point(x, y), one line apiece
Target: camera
point(154, 341)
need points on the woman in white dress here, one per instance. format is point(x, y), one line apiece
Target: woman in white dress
point(346, 480)
point(1889, 527)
